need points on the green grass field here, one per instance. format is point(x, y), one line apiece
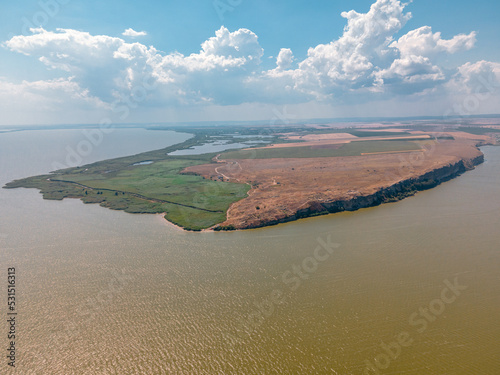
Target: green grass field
point(359, 132)
point(477, 130)
point(189, 201)
point(362, 134)
point(348, 149)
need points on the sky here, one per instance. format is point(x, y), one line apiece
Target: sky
point(82, 62)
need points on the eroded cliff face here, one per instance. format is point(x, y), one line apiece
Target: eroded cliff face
point(393, 193)
point(349, 192)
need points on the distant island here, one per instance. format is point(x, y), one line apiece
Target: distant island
point(289, 172)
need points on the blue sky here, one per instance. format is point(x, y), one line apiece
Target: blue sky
point(245, 60)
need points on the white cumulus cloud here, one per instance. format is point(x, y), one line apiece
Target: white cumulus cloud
point(46, 100)
point(348, 62)
point(482, 77)
point(285, 59)
point(131, 32)
point(423, 42)
point(364, 63)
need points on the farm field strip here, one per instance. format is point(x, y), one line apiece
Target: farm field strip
point(347, 149)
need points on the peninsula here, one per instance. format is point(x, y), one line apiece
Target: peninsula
point(269, 177)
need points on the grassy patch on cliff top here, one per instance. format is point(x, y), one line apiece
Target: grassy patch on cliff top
point(364, 133)
point(477, 130)
point(357, 132)
point(347, 149)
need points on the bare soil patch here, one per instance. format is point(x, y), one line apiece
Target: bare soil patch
point(281, 187)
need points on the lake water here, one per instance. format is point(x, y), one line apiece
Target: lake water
point(105, 292)
point(217, 145)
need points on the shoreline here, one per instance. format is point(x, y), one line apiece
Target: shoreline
point(365, 189)
point(393, 193)
point(161, 216)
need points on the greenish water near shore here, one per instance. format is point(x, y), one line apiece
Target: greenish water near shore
point(103, 292)
point(151, 182)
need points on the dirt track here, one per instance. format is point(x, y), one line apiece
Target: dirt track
point(281, 187)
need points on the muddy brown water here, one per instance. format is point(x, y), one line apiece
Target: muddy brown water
point(410, 287)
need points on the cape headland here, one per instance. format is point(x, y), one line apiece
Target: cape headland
point(293, 172)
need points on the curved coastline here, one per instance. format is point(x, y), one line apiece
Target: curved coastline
point(393, 193)
point(180, 208)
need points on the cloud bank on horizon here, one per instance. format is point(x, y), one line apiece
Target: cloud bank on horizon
point(365, 64)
